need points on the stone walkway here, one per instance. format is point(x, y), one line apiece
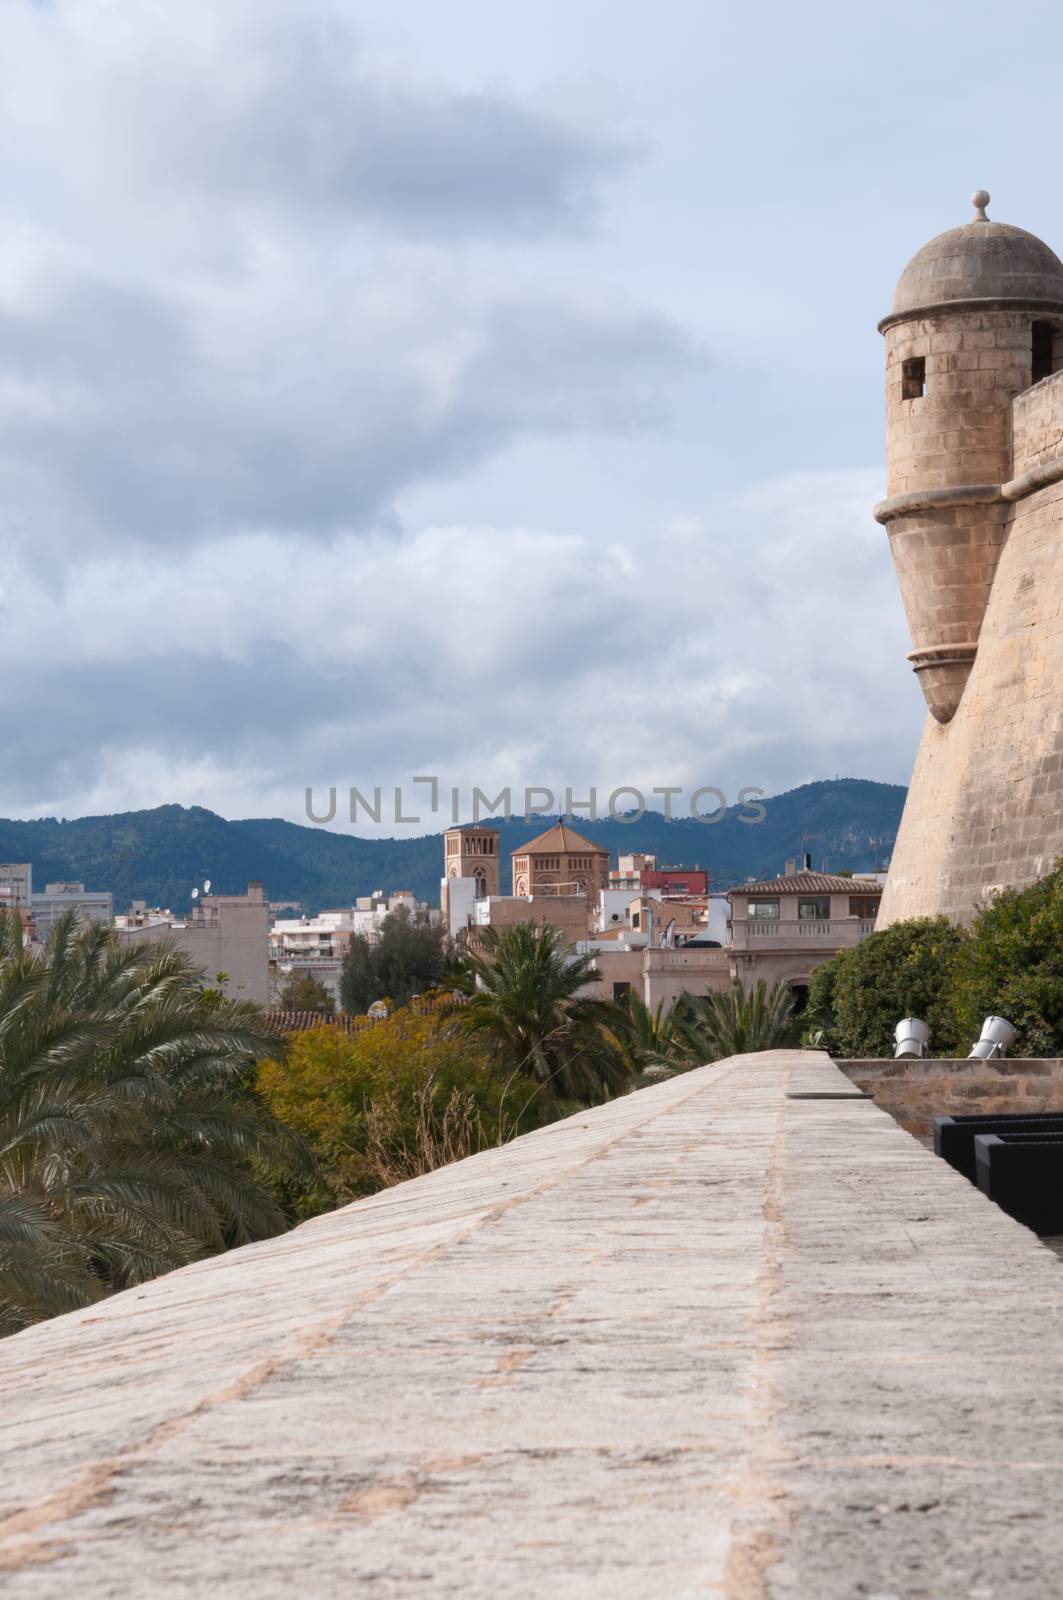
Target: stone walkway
point(708, 1340)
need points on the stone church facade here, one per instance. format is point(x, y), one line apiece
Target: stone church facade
point(974, 514)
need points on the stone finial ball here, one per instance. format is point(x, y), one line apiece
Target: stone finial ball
point(980, 199)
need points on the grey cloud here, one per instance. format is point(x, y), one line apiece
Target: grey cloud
point(266, 106)
point(137, 412)
point(476, 653)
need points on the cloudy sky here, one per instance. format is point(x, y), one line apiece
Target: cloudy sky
point(395, 387)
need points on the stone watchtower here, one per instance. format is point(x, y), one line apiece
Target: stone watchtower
point(973, 323)
point(974, 338)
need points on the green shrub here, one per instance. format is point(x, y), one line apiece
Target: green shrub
point(1011, 965)
point(905, 971)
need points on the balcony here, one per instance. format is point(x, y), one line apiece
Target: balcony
point(805, 933)
point(702, 960)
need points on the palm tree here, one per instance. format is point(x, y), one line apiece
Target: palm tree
point(656, 1044)
point(740, 1021)
point(129, 1143)
point(524, 998)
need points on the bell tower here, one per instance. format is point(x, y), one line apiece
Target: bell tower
point(473, 853)
point(975, 319)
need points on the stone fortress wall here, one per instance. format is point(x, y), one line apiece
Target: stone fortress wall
point(914, 1092)
point(975, 520)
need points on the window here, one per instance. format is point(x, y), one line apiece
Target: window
point(1043, 341)
point(863, 905)
point(913, 378)
point(763, 911)
point(814, 909)
point(621, 991)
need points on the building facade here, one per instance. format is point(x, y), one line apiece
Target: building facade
point(561, 862)
point(782, 929)
point(472, 854)
point(90, 905)
point(974, 514)
point(16, 880)
point(224, 933)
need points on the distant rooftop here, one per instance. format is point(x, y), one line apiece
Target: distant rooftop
point(558, 841)
point(809, 883)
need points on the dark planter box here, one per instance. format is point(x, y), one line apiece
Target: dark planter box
point(1023, 1173)
point(954, 1136)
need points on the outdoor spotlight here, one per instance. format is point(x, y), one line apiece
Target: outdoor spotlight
point(912, 1038)
point(997, 1035)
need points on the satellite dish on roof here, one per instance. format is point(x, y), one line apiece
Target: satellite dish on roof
point(195, 893)
point(206, 886)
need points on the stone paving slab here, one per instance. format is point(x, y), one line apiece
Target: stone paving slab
point(707, 1340)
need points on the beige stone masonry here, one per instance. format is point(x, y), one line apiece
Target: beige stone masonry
point(914, 1092)
point(708, 1340)
point(975, 522)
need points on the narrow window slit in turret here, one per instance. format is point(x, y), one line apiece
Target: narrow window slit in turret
point(1043, 343)
point(913, 378)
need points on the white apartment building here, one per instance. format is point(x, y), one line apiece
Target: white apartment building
point(92, 905)
point(16, 886)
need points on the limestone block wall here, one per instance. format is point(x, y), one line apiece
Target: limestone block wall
point(945, 558)
point(948, 449)
point(716, 1338)
point(958, 432)
point(985, 807)
point(1037, 425)
point(915, 1092)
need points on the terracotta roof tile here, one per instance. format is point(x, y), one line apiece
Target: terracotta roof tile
point(809, 883)
point(558, 841)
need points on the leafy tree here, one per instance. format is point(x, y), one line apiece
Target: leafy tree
point(304, 992)
point(394, 1098)
point(128, 1142)
point(407, 959)
point(858, 998)
point(524, 1002)
point(1011, 965)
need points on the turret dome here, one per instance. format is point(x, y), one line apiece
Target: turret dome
point(983, 263)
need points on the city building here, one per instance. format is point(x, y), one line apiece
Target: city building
point(141, 915)
point(312, 947)
point(223, 933)
point(16, 886)
point(91, 905)
point(627, 874)
point(675, 880)
point(565, 912)
point(470, 854)
point(16, 878)
point(670, 935)
point(974, 514)
point(783, 928)
point(315, 947)
point(370, 911)
point(12, 906)
point(561, 862)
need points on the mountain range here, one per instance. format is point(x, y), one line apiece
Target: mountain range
point(159, 855)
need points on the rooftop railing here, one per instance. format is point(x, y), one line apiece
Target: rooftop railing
point(801, 931)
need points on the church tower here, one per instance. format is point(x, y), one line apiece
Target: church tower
point(974, 321)
point(473, 853)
